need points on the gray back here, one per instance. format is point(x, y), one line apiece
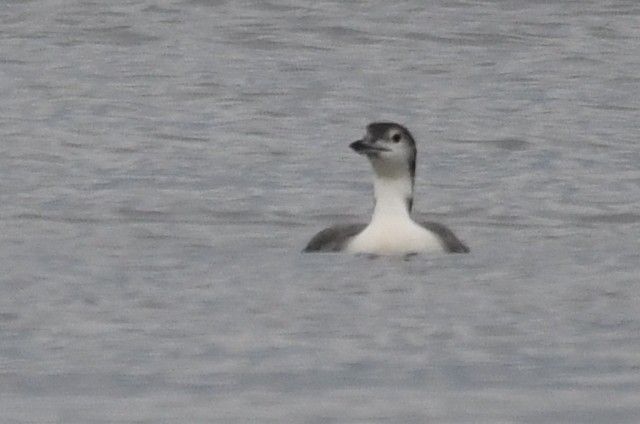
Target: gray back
point(334, 239)
point(452, 244)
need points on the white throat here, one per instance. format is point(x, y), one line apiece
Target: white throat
point(392, 197)
point(391, 230)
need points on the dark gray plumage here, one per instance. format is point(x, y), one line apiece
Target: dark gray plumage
point(334, 239)
point(451, 243)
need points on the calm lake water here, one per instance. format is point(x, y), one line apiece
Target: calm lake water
point(163, 163)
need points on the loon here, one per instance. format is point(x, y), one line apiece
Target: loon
point(391, 150)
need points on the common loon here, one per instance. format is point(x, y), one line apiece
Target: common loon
point(391, 149)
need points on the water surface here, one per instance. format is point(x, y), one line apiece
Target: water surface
point(163, 164)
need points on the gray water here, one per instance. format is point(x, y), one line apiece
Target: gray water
point(163, 163)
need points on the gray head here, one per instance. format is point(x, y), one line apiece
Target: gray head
point(391, 149)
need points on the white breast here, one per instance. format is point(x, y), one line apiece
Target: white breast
point(395, 238)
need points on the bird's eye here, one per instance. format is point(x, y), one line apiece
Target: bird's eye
point(396, 138)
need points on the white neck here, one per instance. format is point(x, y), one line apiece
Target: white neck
point(391, 230)
point(392, 196)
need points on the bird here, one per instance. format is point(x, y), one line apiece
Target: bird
point(391, 150)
